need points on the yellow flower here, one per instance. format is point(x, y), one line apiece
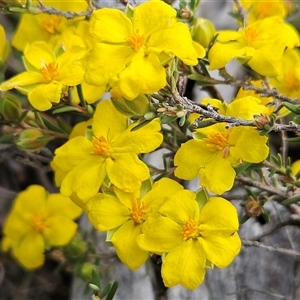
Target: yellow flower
point(260, 9)
point(44, 27)
point(288, 81)
point(36, 222)
point(46, 74)
point(131, 50)
point(125, 215)
point(260, 45)
point(215, 150)
point(111, 152)
point(191, 236)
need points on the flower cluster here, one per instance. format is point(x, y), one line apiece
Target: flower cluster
point(189, 237)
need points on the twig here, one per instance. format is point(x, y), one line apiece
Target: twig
point(294, 220)
point(67, 14)
point(248, 243)
point(240, 11)
point(260, 185)
point(208, 111)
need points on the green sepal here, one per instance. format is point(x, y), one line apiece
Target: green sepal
point(202, 197)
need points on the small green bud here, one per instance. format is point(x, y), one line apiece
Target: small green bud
point(85, 274)
point(76, 247)
point(10, 107)
point(202, 31)
point(27, 140)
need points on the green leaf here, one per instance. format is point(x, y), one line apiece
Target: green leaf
point(291, 107)
point(168, 119)
point(39, 119)
point(65, 109)
point(52, 127)
point(64, 125)
point(112, 291)
point(293, 140)
point(146, 186)
point(289, 201)
point(96, 278)
point(244, 219)
point(105, 290)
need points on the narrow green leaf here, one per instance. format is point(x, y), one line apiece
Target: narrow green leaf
point(22, 116)
point(168, 119)
point(244, 219)
point(64, 125)
point(293, 140)
point(112, 291)
point(39, 119)
point(291, 107)
point(105, 291)
point(96, 278)
point(289, 201)
point(52, 126)
point(64, 109)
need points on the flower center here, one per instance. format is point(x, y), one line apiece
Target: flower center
point(190, 229)
point(291, 81)
point(138, 211)
point(38, 222)
point(136, 41)
point(101, 146)
point(218, 141)
point(50, 71)
point(50, 24)
point(250, 35)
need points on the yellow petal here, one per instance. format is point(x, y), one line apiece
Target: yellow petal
point(57, 204)
point(218, 174)
point(125, 242)
point(161, 16)
point(126, 171)
point(98, 71)
point(144, 75)
point(108, 121)
point(73, 153)
point(221, 249)
point(42, 96)
point(30, 252)
point(85, 179)
point(106, 212)
point(185, 204)
point(175, 40)
point(249, 145)
point(143, 140)
point(57, 234)
point(190, 157)
point(110, 25)
point(160, 190)
point(23, 79)
point(185, 265)
point(39, 54)
point(160, 235)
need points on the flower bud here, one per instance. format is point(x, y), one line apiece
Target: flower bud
point(85, 272)
point(10, 107)
point(76, 247)
point(31, 140)
point(253, 207)
point(202, 31)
